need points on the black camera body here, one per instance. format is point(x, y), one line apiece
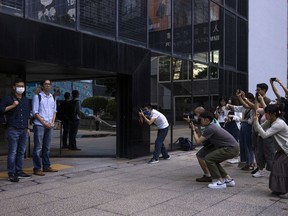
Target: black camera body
point(273, 79)
point(191, 116)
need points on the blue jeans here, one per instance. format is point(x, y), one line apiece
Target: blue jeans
point(245, 142)
point(17, 141)
point(42, 141)
point(159, 143)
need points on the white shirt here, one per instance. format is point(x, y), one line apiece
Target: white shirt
point(160, 120)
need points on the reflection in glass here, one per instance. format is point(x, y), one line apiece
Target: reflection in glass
point(182, 21)
point(214, 73)
point(14, 7)
point(200, 71)
point(216, 34)
point(98, 16)
point(160, 24)
point(201, 30)
point(59, 12)
point(180, 69)
point(133, 21)
point(164, 68)
point(230, 39)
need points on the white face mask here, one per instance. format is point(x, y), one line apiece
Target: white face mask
point(20, 90)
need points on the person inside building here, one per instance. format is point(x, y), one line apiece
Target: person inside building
point(65, 118)
point(75, 122)
point(17, 111)
point(150, 116)
point(275, 127)
point(224, 146)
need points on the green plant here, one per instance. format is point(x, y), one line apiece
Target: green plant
point(96, 103)
point(111, 108)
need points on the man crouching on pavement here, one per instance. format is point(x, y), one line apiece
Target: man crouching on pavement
point(225, 147)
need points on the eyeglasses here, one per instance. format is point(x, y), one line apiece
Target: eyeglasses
point(47, 84)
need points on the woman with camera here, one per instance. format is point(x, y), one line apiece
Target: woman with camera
point(275, 127)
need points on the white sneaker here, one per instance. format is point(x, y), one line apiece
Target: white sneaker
point(229, 182)
point(233, 161)
point(217, 185)
point(259, 174)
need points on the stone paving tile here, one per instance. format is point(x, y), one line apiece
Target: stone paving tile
point(25, 201)
point(139, 202)
point(167, 210)
point(31, 189)
point(94, 198)
point(57, 208)
point(93, 212)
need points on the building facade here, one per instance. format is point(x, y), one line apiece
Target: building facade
point(175, 54)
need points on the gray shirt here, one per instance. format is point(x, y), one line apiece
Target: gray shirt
point(219, 136)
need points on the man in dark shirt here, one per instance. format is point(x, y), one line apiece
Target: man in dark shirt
point(225, 147)
point(16, 108)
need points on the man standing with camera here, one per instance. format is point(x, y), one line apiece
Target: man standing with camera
point(162, 124)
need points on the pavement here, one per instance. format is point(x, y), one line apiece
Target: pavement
point(110, 186)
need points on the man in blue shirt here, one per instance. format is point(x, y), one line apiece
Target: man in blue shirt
point(17, 111)
point(44, 111)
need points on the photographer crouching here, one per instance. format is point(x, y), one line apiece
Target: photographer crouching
point(224, 147)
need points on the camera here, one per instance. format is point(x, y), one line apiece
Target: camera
point(192, 118)
point(273, 79)
point(257, 95)
point(139, 110)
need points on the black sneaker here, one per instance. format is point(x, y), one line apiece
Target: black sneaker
point(23, 175)
point(204, 178)
point(165, 158)
point(13, 178)
point(255, 171)
point(153, 161)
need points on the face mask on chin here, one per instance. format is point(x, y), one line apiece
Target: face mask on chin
point(20, 90)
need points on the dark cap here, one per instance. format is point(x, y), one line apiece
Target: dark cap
point(207, 114)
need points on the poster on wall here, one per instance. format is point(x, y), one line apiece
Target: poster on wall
point(58, 89)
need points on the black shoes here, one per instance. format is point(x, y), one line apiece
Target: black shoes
point(204, 178)
point(165, 158)
point(75, 149)
point(13, 178)
point(23, 175)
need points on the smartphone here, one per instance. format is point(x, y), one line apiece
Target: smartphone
point(273, 79)
point(257, 94)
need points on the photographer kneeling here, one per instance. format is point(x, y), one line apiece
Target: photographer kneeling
point(225, 147)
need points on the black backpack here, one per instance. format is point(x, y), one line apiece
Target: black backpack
point(185, 144)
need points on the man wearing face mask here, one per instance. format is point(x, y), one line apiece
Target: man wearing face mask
point(150, 116)
point(17, 110)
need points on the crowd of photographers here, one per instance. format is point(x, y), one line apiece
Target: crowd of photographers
point(248, 129)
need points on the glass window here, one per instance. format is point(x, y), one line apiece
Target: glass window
point(182, 22)
point(214, 73)
point(61, 12)
point(98, 16)
point(180, 69)
point(160, 25)
point(216, 34)
point(230, 39)
point(218, 1)
point(242, 45)
point(164, 68)
point(243, 7)
point(14, 7)
point(231, 4)
point(133, 21)
point(201, 30)
point(200, 71)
